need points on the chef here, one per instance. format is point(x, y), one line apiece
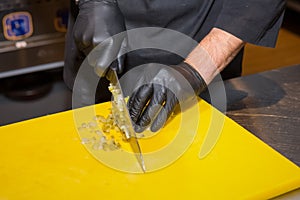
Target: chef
point(221, 28)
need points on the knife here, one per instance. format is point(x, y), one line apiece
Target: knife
point(122, 117)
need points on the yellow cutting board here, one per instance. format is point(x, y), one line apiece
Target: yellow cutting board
point(44, 158)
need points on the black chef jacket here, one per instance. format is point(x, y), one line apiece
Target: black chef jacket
point(253, 21)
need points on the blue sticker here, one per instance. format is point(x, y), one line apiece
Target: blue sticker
point(17, 25)
point(61, 20)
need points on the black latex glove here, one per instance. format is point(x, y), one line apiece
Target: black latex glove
point(97, 21)
point(167, 87)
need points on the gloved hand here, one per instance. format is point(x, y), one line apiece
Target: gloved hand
point(159, 92)
point(97, 21)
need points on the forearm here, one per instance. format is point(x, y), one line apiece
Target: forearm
point(214, 53)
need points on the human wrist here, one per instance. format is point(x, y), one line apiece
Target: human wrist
point(192, 76)
point(214, 53)
point(221, 46)
point(202, 62)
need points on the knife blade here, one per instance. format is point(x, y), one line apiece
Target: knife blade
point(122, 117)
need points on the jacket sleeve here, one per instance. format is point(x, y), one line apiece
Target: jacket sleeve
point(254, 21)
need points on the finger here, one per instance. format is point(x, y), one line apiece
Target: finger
point(86, 45)
point(82, 40)
point(130, 100)
point(139, 101)
point(105, 53)
point(121, 56)
point(73, 57)
point(101, 58)
point(153, 108)
point(165, 113)
point(114, 65)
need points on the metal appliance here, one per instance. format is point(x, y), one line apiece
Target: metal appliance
point(32, 35)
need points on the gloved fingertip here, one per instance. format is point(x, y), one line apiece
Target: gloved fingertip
point(114, 66)
point(155, 127)
point(138, 102)
point(145, 119)
point(139, 129)
point(159, 121)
